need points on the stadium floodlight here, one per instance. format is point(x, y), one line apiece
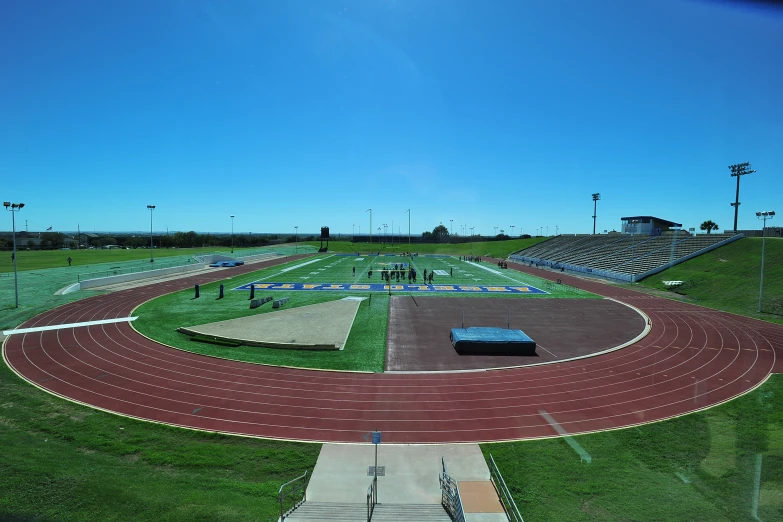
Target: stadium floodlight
point(152, 256)
point(739, 170)
point(596, 197)
point(765, 216)
point(296, 239)
point(512, 230)
point(14, 208)
point(370, 211)
point(232, 234)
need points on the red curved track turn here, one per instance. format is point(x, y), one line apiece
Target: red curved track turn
point(692, 358)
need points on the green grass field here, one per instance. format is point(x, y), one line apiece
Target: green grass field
point(499, 249)
point(702, 466)
point(40, 259)
point(65, 462)
point(728, 279)
point(365, 349)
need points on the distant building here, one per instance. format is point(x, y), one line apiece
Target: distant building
point(647, 225)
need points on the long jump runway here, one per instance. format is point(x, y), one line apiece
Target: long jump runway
point(692, 359)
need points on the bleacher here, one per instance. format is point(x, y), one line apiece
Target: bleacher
point(621, 256)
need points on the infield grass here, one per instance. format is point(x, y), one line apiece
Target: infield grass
point(366, 345)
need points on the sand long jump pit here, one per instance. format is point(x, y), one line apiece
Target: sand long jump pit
point(322, 326)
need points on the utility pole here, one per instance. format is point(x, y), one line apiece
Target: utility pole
point(739, 170)
point(765, 216)
point(409, 231)
point(152, 255)
point(360, 228)
point(596, 197)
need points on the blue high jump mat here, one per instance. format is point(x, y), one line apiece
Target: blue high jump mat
point(491, 341)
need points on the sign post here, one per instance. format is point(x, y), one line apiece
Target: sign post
point(376, 439)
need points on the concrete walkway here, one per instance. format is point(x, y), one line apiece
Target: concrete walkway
point(341, 475)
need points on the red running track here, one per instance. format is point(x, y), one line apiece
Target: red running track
point(692, 359)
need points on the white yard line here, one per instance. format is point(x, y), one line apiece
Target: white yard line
point(300, 265)
point(501, 274)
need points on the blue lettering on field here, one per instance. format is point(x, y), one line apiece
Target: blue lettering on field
point(380, 287)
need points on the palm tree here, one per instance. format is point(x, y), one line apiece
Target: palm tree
point(709, 226)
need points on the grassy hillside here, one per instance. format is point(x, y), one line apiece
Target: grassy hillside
point(711, 465)
point(66, 462)
point(728, 279)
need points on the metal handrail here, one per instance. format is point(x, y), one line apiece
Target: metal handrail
point(372, 497)
point(450, 498)
point(300, 486)
point(132, 269)
point(512, 512)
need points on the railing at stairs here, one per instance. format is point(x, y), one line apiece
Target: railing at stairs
point(450, 498)
point(503, 492)
point(294, 491)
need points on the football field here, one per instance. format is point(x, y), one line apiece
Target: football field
point(445, 275)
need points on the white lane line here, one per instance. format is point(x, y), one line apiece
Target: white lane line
point(70, 325)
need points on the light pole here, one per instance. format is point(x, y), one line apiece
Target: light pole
point(557, 230)
point(765, 216)
point(451, 228)
point(738, 171)
point(232, 234)
point(370, 211)
point(353, 233)
point(512, 230)
point(471, 240)
point(296, 239)
point(152, 255)
point(596, 197)
point(496, 231)
point(14, 208)
point(409, 230)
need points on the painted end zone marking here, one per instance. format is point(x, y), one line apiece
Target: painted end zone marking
point(70, 325)
point(380, 287)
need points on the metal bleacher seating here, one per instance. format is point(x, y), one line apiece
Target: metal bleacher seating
point(620, 256)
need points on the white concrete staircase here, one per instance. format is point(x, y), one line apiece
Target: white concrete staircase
point(333, 511)
point(408, 488)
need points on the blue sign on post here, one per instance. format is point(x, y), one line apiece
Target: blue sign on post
point(376, 437)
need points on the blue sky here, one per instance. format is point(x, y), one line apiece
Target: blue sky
point(308, 113)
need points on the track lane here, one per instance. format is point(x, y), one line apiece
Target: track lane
point(692, 358)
